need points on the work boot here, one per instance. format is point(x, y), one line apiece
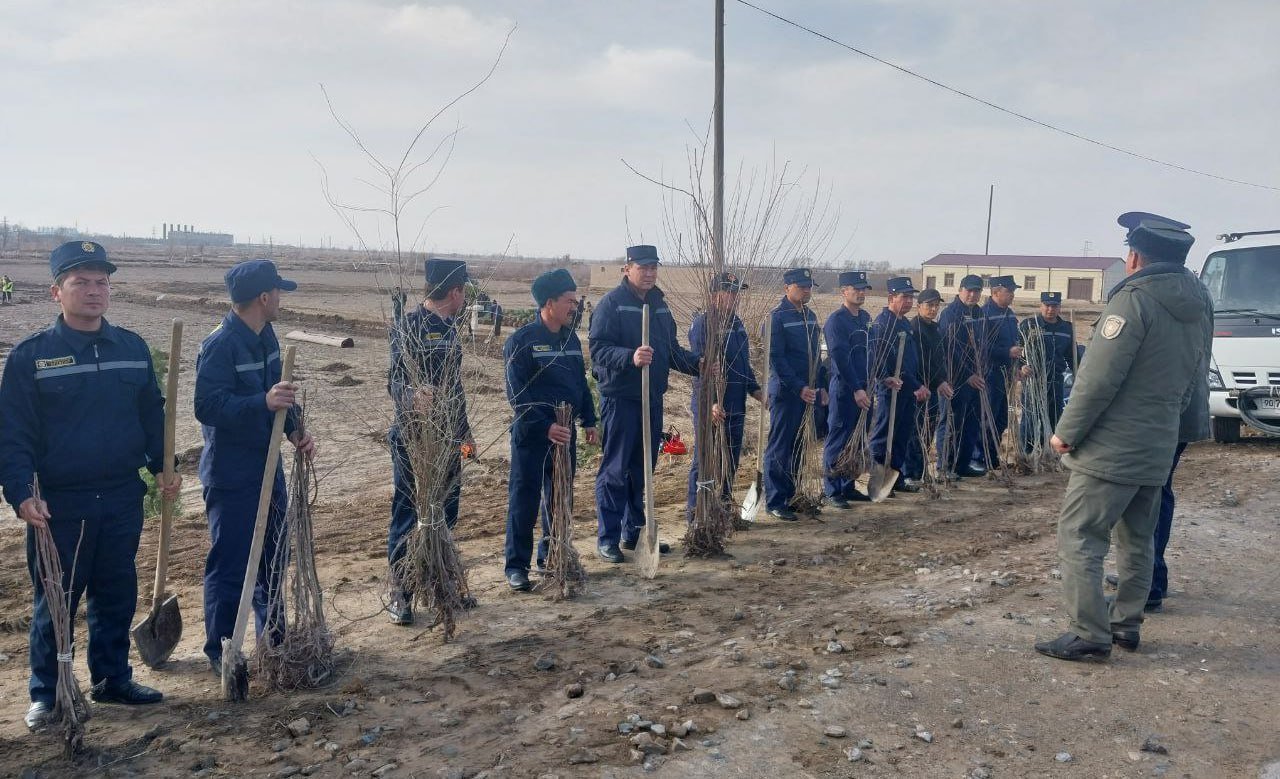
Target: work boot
point(38, 715)
point(610, 553)
point(972, 470)
point(663, 546)
point(1069, 646)
point(518, 580)
point(906, 485)
point(401, 609)
point(1126, 639)
point(129, 693)
point(786, 515)
point(854, 496)
point(837, 502)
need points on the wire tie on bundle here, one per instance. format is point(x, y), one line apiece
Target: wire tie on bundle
point(65, 658)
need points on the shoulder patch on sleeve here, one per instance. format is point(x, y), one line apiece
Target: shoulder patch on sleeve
point(1111, 326)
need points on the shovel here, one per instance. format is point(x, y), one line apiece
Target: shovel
point(159, 632)
point(647, 554)
point(755, 494)
point(883, 476)
point(235, 669)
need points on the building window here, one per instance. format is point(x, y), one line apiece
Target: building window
point(948, 279)
point(930, 282)
point(1029, 282)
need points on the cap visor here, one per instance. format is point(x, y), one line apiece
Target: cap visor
point(111, 268)
point(286, 285)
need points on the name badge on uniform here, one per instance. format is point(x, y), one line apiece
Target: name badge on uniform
point(541, 348)
point(434, 336)
point(55, 362)
point(1112, 326)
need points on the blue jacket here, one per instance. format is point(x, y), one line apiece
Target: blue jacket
point(793, 346)
point(1002, 334)
point(425, 350)
point(82, 410)
point(615, 335)
point(964, 341)
point(545, 369)
point(740, 379)
point(1057, 339)
point(884, 345)
point(234, 369)
point(847, 347)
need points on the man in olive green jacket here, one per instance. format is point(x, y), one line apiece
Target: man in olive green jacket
point(1119, 432)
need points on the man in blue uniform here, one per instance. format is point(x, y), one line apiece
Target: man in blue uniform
point(795, 384)
point(1053, 339)
point(426, 369)
point(739, 378)
point(964, 335)
point(933, 374)
point(544, 369)
point(1003, 349)
point(238, 392)
point(80, 409)
point(846, 333)
point(616, 359)
point(885, 330)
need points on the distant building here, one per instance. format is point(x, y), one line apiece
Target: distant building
point(607, 275)
point(1086, 279)
point(184, 235)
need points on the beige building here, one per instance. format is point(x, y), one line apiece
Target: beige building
point(1077, 278)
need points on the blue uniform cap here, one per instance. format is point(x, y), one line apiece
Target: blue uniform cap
point(1051, 298)
point(1157, 237)
point(1004, 281)
point(74, 254)
point(928, 296)
point(801, 276)
point(971, 281)
point(900, 284)
point(854, 278)
point(643, 254)
point(440, 272)
point(251, 278)
point(728, 282)
point(552, 284)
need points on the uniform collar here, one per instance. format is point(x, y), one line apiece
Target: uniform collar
point(653, 297)
point(78, 340)
point(545, 333)
point(1154, 269)
point(431, 317)
point(236, 325)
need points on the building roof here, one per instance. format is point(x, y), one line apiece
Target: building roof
point(1024, 261)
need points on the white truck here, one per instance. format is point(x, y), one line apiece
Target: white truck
point(1242, 273)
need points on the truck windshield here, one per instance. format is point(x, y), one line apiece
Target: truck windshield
point(1244, 280)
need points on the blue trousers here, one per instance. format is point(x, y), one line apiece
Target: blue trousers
point(232, 514)
point(958, 431)
point(1164, 526)
point(998, 396)
point(904, 428)
point(926, 416)
point(782, 454)
point(620, 480)
point(735, 420)
point(843, 416)
point(528, 496)
point(102, 568)
point(404, 512)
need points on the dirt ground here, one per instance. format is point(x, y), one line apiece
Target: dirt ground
point(892, 640)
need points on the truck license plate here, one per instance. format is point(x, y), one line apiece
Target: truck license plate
point(1268, 404)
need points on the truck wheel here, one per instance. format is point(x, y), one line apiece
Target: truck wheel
point(1226, 430)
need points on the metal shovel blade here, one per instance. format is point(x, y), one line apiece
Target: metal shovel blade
point(883, 479)
point(751, 502)
point(158, 633)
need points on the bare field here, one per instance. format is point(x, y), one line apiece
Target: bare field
point(903, 630)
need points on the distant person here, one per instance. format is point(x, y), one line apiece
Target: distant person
point(909, 384)
point(927, 336)
point(964, 332)
point(6, 289)
point(1119, 434)
point(847, 331)
point(545, 367)
point(578, 314)
point(426, 368)
point(497, 320)
point(1003, 349)
point(617, 359)
point(1052, 337)
point(81, 409)
point(238, 391)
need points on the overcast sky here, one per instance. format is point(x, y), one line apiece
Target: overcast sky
point(123, 114)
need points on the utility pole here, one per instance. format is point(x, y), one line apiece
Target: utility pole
point(991, 198)
point(717, 198)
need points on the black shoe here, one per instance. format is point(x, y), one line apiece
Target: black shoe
point(518, 580)
point(630, 546)
point(38, 715)
point(215, 665)
point(1112, 579)
point(1125, 639)
point(469, 602)
point(972, 470)
point(853, 496)
point(401, 609)
point(906, 485)
point(837, 502)
point(1154, 606)
point(1069, 646)
point(786, 515)
point(129, 693)
point(610, 553)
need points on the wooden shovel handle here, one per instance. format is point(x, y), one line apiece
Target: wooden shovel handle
point(170, 452)
point(646, 423)
point(764, 395)
point(893, 400)
point(264, 505)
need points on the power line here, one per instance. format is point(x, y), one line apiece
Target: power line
point(1000, 108)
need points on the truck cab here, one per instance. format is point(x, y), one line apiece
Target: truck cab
point(1242, 273)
